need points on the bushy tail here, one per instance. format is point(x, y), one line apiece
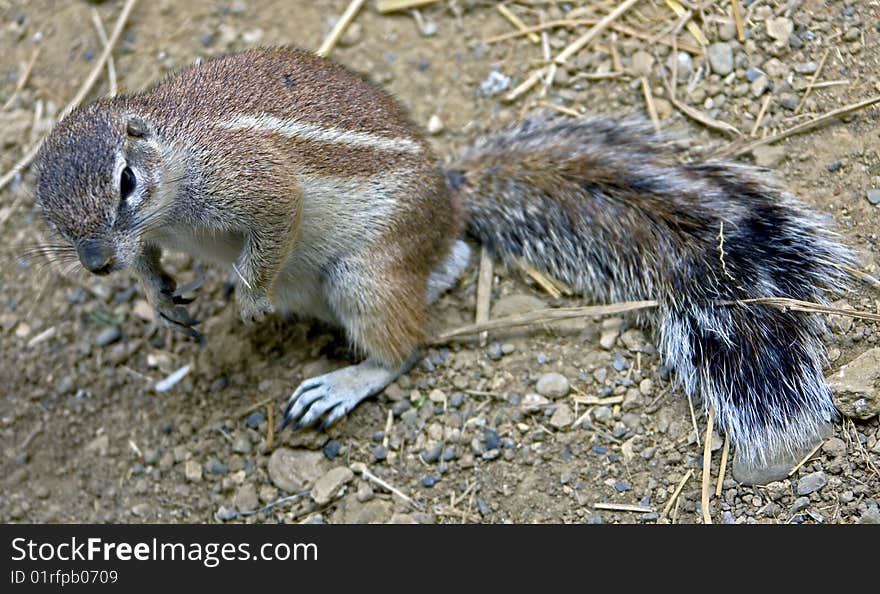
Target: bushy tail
point(605, 207)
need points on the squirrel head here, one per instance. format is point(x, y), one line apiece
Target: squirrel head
point(98, 176)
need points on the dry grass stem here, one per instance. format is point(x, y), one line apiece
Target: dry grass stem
point(111, 65)
point(518, 23)
point(81, 94)
point(737, 150)
point(340, 27)
point(385, 6)
point(707, 467)
point(812, 82)
point(22, 80)
point(484, 290)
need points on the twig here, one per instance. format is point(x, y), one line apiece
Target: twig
point(861, 275)
point(392, 5)
point(813, 80)
point(707, 467)
point(675, 493)
point(620, 28)
point(111, 65)
point(22, 80)
point(81, 94)
point(544, 315)
point(269, 506)
point(560, 108)
point(737, 18)
point(805, 459)
point(343, 22)
point(733, 151)
point(550, 285)
point(590, 35)
point(699, 116)
point(96, 71)
point(30, 436)
point(625, 507)
point(270, 426)
point(649, 101)
point(864, 452)
point(692, 27)
point(484, 290)
point(807, 306)
point(760, 117)
point(724, 454)
point(361, 468)
point(518, 23)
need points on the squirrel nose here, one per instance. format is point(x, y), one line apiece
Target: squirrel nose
point(96, 256)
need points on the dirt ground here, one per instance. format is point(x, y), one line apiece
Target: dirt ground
point(86, 437)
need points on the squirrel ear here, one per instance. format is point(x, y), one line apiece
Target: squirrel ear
point(137, 127)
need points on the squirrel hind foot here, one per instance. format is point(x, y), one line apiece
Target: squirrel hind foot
point(329, 397)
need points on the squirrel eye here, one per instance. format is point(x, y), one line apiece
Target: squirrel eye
point(127, 183)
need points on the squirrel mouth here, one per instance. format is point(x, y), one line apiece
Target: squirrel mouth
point(105, 269)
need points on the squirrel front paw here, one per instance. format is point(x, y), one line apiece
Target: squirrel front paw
point(253, 307)
point(161, 293)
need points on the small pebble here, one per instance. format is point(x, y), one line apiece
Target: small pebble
point(435, 125)
point(108, 336)
point(429, 481)
point(331, 450)
point(553, 385)
point(380, 452)
point(254, 420)
point(873, 196)
point(493, 441)
point(811, 483)
point(720, 58)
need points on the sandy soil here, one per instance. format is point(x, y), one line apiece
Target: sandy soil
point(84, 437)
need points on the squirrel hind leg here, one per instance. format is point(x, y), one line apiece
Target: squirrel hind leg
point(447, 274)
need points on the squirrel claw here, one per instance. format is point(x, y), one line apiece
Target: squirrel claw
point(255, 310)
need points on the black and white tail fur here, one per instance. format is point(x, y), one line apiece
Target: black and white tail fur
point(607, 208)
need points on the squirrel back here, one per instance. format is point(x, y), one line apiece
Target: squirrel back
point(605, 207)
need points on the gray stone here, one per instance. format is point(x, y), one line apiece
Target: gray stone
point(780, 29)
point(329, 485)
point(553, 385)
point(562, 417)
point(642, 62)
point(811, 483)
point(720, 58)
point(294, 471)
point(192, 470)
point(874, 196)
point(374, 511)
point(834, 447)
point(760, 86)
point(856, 387)
point(246, 498)
point(799, 504)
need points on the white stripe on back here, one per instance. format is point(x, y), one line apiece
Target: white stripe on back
point(313, 132)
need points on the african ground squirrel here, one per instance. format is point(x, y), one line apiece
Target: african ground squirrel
point(328, 202)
